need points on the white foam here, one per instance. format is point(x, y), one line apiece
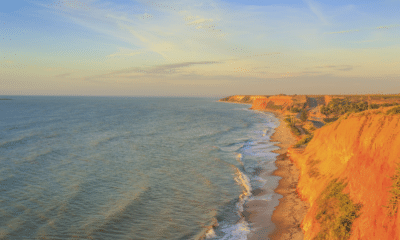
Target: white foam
point(238, 231)
point(239, 158)
point(210, 233)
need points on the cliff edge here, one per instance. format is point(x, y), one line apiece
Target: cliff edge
point(349, 176)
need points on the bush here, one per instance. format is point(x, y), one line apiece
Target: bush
point(303, 141)
point(245, 99)
point(395, 193)
point(295, 130)
point(295, 110)
point(341, 106)
point(328, 120)
point(374, 106)
point(303, 116)
point(395, 110)
point(336, 212)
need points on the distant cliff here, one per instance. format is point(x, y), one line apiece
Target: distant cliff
point(264, 102)
point(248, 99)
point(350, 177)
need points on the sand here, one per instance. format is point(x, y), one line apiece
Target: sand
point(291, 210)
point(288, 215)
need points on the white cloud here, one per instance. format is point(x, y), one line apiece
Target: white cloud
point(316, 10)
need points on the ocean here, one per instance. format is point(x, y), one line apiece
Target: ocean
point(131, 167)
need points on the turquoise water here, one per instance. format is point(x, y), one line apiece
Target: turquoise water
point(129, 168)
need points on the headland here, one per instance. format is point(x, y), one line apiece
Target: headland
point(339, 162)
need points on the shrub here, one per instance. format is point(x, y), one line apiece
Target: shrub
point(295, 130)
point(395, 193)
point(341, 106)
point(328, 120)
point(295, 110)
point(336, 212)
point(374, 106)
point(245, 99)
point(395, 110)
point(303, 141)
point(303, 115)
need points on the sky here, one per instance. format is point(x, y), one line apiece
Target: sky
point(199, 48)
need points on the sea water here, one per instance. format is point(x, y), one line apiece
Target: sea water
point(130, 168)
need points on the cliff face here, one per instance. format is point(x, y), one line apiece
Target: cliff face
point(346, 172)
point(272, 102)
point(241, 98)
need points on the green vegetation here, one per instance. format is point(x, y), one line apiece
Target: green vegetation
point(374, 106)
point(275, 107)
point(336, 212)
point(395, 193)
point(295, 130)
point(303, 116)
point(303, 141)
point(271, 105)
point(338, 107)
point(395, 110)
point(328, 120)
point(246, 99)
point(389, 104)
point(295, 109)
point(292, 126)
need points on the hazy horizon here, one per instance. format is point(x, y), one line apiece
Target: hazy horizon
point(209, 49)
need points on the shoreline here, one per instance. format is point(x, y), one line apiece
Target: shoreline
point(290, 212)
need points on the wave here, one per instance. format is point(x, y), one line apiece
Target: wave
point(244, 182)
point(239, 231)
point(17, 141)
point(103, 140)
point(115, 210)
point(239, 159)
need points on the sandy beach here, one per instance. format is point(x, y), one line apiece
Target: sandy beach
point(291, 210)
point(287, 216)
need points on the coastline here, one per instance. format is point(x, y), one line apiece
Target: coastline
point(291, 210)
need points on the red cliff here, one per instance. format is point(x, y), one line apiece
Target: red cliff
point(272, 102)
point(347, 170)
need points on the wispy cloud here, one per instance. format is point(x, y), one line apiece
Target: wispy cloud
point(337, 67)
point(64, 75)
point(348, 31)
point(316, 10)
point(150, 71)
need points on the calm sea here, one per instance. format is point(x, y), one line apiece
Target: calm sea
point(130, 168)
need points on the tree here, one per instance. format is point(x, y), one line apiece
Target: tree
point(303, 115)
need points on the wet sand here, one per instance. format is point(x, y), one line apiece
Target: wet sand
point(290, 212)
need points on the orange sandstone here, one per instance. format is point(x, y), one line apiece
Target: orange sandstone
point(363, 151)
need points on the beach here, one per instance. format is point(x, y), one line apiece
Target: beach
point(291, 210)
point(288, 215)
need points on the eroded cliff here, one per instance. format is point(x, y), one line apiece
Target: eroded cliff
point(348, 176)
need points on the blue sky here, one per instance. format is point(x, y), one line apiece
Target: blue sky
point(192, 48)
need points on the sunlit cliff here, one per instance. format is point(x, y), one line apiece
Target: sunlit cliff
point(357, 154)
